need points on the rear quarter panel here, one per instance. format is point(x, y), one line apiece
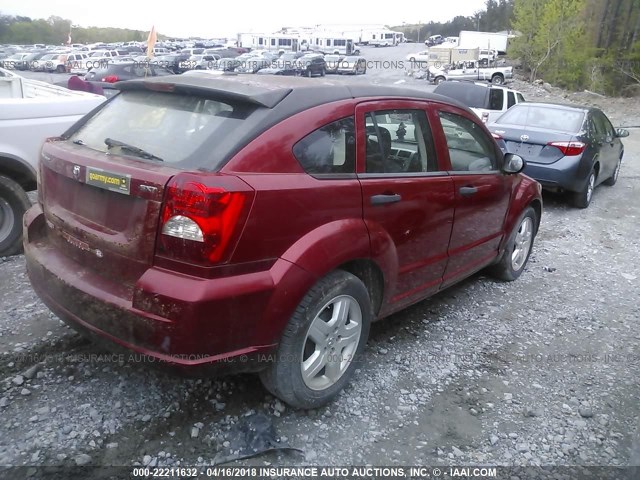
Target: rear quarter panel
point(312, 223)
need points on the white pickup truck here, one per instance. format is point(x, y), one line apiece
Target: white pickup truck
point(495, 75)
point(30, 112)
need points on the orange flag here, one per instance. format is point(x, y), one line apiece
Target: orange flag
point(151, 41)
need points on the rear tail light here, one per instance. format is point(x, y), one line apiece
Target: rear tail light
point(569, 149)
point(201, 215)
point(111, 79)
point(496, 136)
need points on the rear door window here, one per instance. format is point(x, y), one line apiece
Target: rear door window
point(511, 99)
point(399, 141)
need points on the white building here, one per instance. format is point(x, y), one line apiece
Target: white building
point(326, 38)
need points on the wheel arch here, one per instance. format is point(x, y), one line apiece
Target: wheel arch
point(371, 275)
point(19, 171)
point(498, 75)
point(536, 204)
point(313, 257)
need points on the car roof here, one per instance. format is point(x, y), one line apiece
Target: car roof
point(562, 106)
point(472, 84)
point(269, 91)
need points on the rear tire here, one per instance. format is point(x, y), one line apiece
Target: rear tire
point(13, 203)
point(304, 374)
point(497, 79)
point(518, 249)
point(439, 80)
point(582, 199)
point(613, 179)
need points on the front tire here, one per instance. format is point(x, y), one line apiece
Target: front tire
point(582, 199)
point(518, 249)
point(613, 179)
point(439, 80)
point(13, 203)
point(321, 343)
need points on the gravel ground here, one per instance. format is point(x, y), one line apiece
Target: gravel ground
point(541, 371)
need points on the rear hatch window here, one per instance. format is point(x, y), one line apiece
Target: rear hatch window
point(558, 119)
point(182, 131)
point(473, 96)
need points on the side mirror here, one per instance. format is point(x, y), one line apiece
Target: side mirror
point(622, 132)
point(513, 163)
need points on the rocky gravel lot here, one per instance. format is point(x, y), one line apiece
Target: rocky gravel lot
point(541, 371)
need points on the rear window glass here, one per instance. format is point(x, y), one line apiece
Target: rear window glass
point(473, 96)
point(182, 130)
point(496, 99)
point(329, 149)
point(529, 115)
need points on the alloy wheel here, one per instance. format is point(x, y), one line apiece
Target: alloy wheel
point(590, 186)
point(7, 219)
point(522, 244)
point(331, 342)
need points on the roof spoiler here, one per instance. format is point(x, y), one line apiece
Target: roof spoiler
point(223, 90)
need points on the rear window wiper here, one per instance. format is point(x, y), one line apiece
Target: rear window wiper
point(110, 142)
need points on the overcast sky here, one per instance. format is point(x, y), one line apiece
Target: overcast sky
point(225, 18)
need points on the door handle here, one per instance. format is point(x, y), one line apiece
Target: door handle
point(468, 191)
point(385, 199)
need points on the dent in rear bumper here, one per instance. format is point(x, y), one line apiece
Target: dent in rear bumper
point(225, 323)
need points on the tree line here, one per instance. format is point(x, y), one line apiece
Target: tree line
point(575, 44)
point(580, 44)
point(55, 31)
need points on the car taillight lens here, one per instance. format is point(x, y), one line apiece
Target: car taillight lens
point(111, 79)
point(199, 220)
point(496, 136)
point(569, 149)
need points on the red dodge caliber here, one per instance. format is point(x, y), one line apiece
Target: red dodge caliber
point(262, 223)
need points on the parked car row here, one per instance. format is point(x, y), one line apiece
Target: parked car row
point(287, 64)
point(78, 62)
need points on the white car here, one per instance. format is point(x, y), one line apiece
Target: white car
point(79, 63)
point(352, 64)
point(487, 55)
point(422, 56)
point(470, 71)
